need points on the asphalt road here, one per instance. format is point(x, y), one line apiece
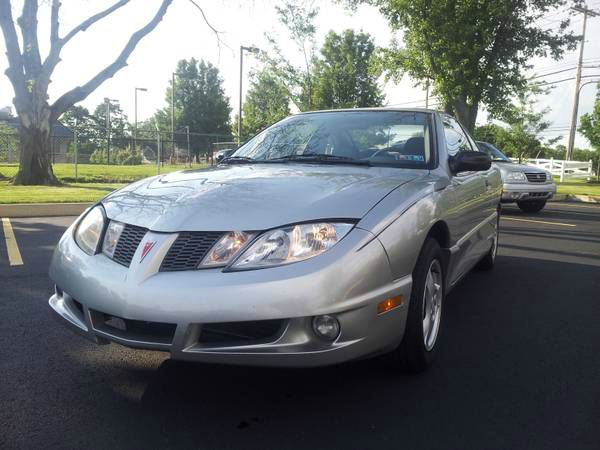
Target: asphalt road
point(518, 366)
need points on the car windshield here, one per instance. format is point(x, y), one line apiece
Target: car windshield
point(496, 154)
point(388, 138)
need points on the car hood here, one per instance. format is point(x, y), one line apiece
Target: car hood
point(514, 167)
point(253, 197)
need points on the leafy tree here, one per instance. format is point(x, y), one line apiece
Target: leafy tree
point(78, 118)
point(590, 128)
point(298, 18)
point(267, 102)
point(200, 103)
point(520, 138)
point(472, 51)
point(342, 78)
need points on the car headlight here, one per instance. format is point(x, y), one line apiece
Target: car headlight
point(89, 230)
point(291, 244)
point(111, 237)
point(225, 249)
point(515, 176)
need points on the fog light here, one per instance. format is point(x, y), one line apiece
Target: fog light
point(326, 327)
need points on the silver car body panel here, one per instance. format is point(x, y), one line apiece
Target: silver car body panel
point(394, 211)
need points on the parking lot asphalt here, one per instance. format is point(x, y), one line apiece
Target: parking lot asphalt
point(518, 366)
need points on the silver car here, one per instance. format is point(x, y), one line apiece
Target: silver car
point(530, 187)
point(328, 237)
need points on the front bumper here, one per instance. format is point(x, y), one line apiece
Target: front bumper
point(512, 192)
point(348, 282)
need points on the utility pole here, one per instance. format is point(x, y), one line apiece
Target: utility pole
point(172, 115)
point(75, 148)
point(427, 94)
point(136, 121)
point(586, 12)
point(107, 101)
point(187, 132)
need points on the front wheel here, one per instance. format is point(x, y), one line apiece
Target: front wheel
point(423, 323)
point(531, 205)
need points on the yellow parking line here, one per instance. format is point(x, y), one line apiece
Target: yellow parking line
point(560, 224)
point(14, 255)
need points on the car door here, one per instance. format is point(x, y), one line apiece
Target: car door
point(466, 212)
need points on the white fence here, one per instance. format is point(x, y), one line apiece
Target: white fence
point(564, 169)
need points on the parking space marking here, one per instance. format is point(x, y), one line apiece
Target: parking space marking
point(560, 224)
point(14, 255)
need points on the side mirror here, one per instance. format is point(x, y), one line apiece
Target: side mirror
point(469, 162)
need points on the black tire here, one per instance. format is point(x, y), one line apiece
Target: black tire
point(412, 354)
point(489, 260)
point(531, 206)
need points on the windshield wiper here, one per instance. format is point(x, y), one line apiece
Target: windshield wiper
point(237, 160)
point(321, 157)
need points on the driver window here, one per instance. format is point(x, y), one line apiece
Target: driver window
point(456, 139)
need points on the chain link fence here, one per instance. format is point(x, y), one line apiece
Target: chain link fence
point(181, 148)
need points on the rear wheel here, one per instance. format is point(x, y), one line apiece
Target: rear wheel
point(423, 323)
point(531, 205)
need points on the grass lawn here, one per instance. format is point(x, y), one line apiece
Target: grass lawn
point(95, 181)
point(75, 192)
point(96, 173)
point(577, 186)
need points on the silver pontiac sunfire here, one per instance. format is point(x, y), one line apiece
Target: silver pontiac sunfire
point(330, 236)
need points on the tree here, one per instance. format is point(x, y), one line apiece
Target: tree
point(267, 102)
point(298, 19)
point(30, 77)
point(342, 78)
point(200, 102)
point(520, 138)
point(590, 128)
point(473, 52)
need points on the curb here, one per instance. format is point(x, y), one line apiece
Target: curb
point(42, 209)
point(575, 198)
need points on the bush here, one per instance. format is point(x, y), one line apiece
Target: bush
point(120, 157)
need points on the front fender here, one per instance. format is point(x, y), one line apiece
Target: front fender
point(402, 221)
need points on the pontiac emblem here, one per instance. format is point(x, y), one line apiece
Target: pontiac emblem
point(147, 247)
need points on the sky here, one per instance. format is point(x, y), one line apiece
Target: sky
point(183, 34)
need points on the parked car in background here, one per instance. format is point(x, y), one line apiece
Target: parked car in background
point(222, 154)
point(328, 237)
point(528, 186)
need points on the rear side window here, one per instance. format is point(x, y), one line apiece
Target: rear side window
point(456, 139)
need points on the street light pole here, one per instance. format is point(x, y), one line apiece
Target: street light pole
point(135, 114)
point(251, 50)
point(108, 101)
point(586, 12)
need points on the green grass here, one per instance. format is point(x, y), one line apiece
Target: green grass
point(575, 186)
point(95, 173)
point(75, 192)
point(96, 181)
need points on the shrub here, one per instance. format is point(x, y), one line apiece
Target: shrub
point(121, 157)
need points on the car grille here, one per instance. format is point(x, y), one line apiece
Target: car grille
point(136, 330)
point(535, 177)
point(239, 332)
point(188, 250)
point(128, 243)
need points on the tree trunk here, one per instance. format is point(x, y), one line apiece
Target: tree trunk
point(466, 113)
point(35, 166)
